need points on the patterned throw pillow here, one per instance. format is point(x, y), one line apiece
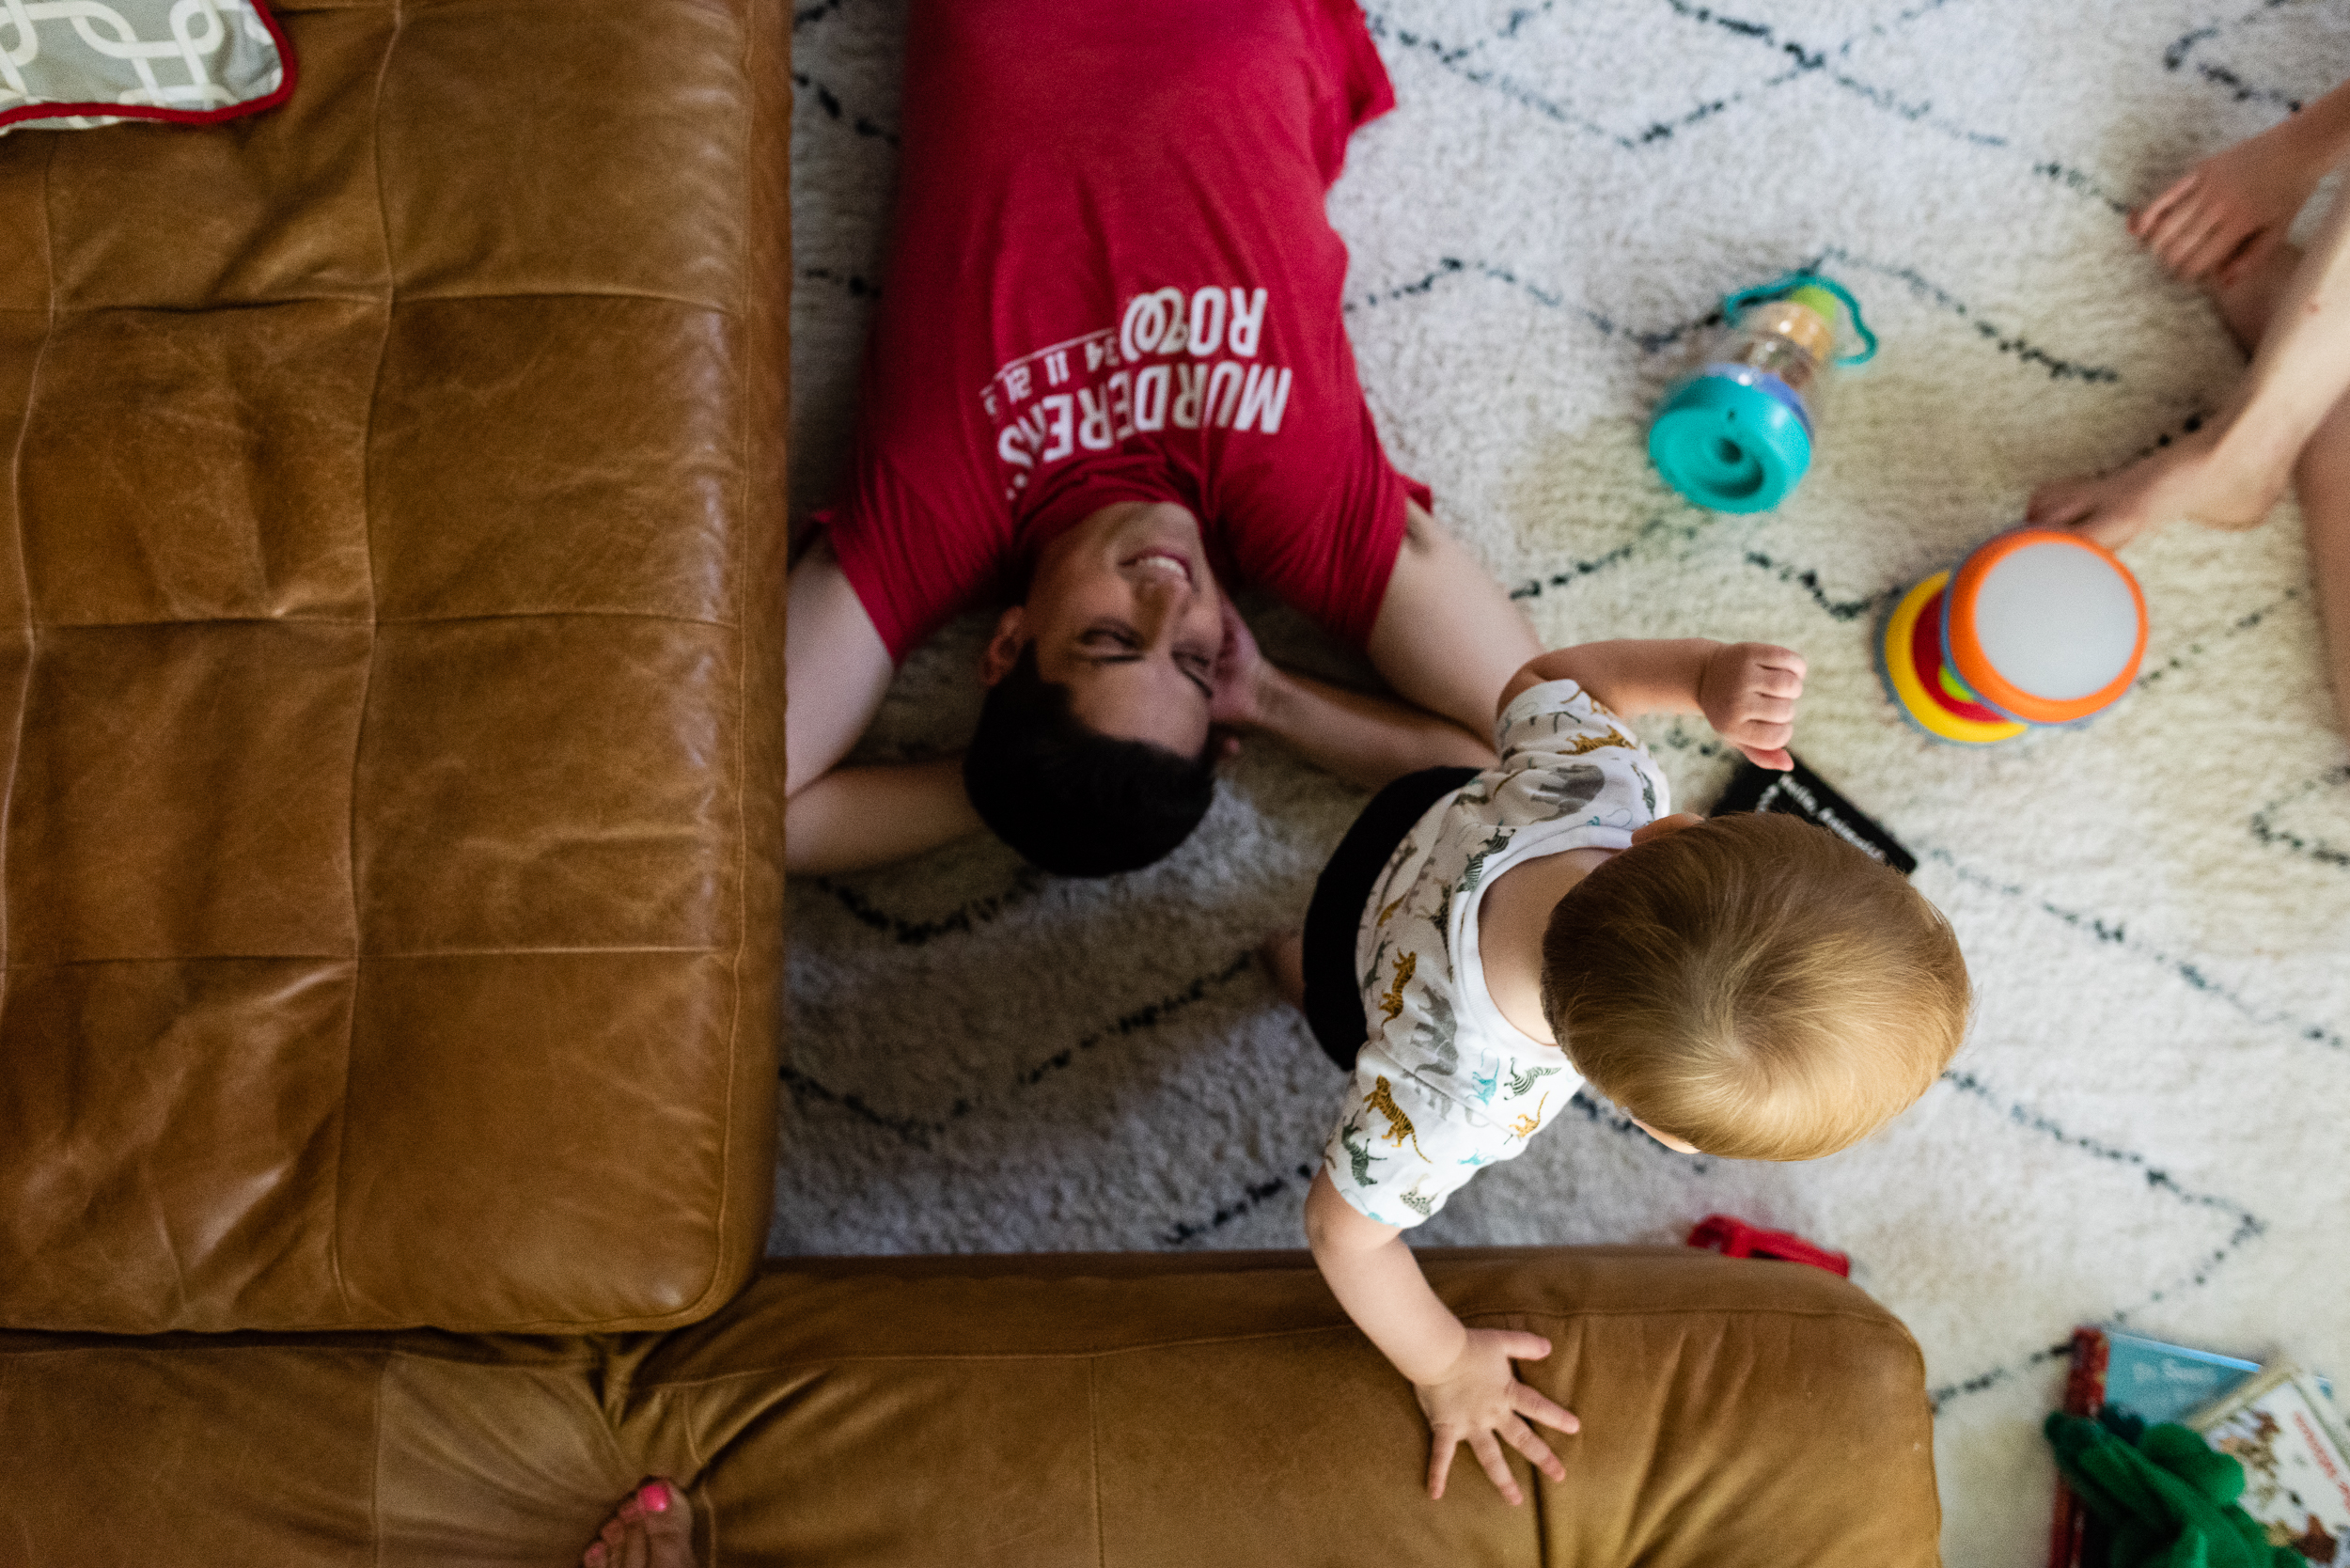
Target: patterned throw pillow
point(66, 65)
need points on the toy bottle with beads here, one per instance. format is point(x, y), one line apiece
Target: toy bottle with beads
point(1737, 436)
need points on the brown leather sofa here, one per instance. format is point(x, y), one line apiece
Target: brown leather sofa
point(1113, 1412)
point(391, 563)
point(391, 558)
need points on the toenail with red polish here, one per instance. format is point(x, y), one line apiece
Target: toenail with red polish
point(655, 1496)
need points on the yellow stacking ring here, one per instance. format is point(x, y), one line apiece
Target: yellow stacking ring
point(1910, 657)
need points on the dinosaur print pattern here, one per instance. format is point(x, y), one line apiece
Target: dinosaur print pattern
point(1585, 744)
point(1431, 1036)
point(1392, 1003)
point(1474, 872)
point(1571, 789)
point(1523, 1083)
point(1382, 1100)
point(1458, 1088)
point(1529, 1125)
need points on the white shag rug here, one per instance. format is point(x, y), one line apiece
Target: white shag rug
point(2146, 1125)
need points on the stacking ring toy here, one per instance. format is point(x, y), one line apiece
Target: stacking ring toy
point(2036, 627)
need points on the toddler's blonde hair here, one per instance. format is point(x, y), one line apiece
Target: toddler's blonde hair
point(1754, 986)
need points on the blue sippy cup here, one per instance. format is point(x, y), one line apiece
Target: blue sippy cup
point(1737, 436)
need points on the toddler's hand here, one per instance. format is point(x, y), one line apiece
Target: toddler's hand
point(1479, 1396)
point(2221, 218)
point(1749, 694)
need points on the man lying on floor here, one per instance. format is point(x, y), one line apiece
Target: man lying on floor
point(1109, 376)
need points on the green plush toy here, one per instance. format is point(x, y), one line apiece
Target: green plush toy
point(2169, 1499)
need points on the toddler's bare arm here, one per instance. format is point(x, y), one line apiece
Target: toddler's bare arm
point(1745, 690)
point(1463, 1376)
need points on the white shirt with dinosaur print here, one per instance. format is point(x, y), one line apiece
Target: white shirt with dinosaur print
point(1445, 1084)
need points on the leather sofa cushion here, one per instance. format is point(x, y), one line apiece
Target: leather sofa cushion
point(391, 583)
point(1106, 1411)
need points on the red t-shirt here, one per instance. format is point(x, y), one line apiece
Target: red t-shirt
point(1113, 278)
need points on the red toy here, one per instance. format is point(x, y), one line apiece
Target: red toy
point(1735, 1238)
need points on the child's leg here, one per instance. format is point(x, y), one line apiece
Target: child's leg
point(2229, 474)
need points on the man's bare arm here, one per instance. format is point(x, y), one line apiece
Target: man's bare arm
point(1370, 741)
point(843, 819)
point(853, 818)
point(1449, 637)
point(1446, 639)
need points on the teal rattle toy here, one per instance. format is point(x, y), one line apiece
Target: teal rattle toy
point(1737, 436)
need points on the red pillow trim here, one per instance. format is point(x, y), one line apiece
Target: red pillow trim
point(179, 117)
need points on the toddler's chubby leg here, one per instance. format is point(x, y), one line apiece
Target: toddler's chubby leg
point(653, 1528)
point(2222, 225)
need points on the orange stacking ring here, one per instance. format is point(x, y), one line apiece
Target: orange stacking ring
point(2038, 623)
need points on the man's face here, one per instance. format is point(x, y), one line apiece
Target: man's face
point(1125, 613)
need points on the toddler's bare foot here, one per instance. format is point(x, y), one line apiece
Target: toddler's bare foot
point(2188, 478)
point(1284, 960)
point(653, 1528)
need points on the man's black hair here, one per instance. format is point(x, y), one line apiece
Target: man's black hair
point(1077, 802)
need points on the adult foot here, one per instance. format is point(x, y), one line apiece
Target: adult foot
point(653, 1528)
point(1284, 960)
point(2190, 478)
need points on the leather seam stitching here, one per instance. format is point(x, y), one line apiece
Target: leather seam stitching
point(359, 730)
point(1093, 1459)
point(23, 557)
point(377, 622)
point(722, 1253)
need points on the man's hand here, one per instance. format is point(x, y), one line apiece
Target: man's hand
point(1478, 1401)
point(1749, 694)
point(1237, 688)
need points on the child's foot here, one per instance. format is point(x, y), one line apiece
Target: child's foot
point(2189, 479)
point(1284, 960)
point(653, 1528)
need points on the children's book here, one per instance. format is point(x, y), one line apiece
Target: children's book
point(2158, 1382)
point(2147, 1378)
point(1801, 792)
point(2284, 1431)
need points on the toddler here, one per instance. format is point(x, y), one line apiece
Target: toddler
point(1482, 943)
